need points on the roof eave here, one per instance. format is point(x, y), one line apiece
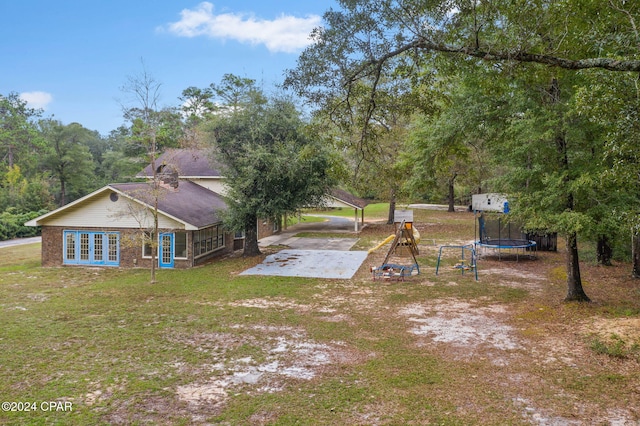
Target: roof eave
point(38, 220)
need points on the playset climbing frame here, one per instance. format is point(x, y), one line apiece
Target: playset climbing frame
point(402, 244)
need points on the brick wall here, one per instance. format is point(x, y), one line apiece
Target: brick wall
point(51, 246)
point(266, 228)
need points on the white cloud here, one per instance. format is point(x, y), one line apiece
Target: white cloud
point(36, 99)
point(282, 34)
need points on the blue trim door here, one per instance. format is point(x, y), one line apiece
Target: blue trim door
point(166, 250)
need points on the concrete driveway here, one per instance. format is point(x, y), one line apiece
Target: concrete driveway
point(312, 257)
point(335, 264)
point(20, 241)
point(331, 224)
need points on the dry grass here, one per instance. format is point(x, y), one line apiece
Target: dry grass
point(208, 346)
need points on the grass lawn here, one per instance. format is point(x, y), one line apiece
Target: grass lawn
point(371, 211)
point(209, 346)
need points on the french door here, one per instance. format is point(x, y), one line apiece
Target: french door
point(166, 250)
point(91, 248)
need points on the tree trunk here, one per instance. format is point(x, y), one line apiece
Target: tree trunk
point(392, 208)
point(10, 156)
point(154, 241)
point(251, 247)
point(63, 191)
point(636, 255)
point(154, 235)
point(452, 194)
point(575, 292)
point(604, 251)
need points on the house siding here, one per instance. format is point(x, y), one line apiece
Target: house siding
point(212, 184)
point(103, 212)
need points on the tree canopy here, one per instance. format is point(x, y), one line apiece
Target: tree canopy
point(272, 166)
point(531, 64)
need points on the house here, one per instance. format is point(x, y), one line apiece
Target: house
point(105, 228)
point(199, 166)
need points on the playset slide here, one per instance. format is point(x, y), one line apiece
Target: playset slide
point(416, 236)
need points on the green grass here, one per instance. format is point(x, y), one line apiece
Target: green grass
point(615, 347)
point(305, 218)
point(371, 211)
point(121, 349)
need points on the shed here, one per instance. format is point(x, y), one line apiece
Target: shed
point(340, 198)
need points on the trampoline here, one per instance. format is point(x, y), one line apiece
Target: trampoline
point(498, 236)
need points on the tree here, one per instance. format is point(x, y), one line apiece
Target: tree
point(384, 172)
point(234, 92)
point(372, 139)
point(197, 107)
point(272, 166)
point(196, 103)
point(118, 161)
point(24, 194)
point(448, 147)
point(551, 159)
point(146, 123)
point(68, 158)
point(18, 134)
point(612, 102)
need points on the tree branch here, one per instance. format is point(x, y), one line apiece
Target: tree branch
point(609, 64)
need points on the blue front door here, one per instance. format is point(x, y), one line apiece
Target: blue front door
point(166, 250)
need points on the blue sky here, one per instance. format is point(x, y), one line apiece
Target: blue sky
point(71, 57)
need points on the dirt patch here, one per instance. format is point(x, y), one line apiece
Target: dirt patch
point(273, 303)
point(100, 394)
point(627, 329)
point(463, 327)
point(514, 275)
point(281, 354)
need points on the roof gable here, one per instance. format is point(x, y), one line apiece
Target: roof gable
point(190, 206)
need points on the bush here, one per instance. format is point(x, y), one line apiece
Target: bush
point(12, 224)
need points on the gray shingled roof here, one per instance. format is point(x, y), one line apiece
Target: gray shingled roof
point(187, 162)
point(190, 202)
point(348, 198)
point(192, 163)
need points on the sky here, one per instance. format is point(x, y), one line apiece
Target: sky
point(71, 58)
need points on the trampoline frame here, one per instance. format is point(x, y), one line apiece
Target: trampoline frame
point(499, 244)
